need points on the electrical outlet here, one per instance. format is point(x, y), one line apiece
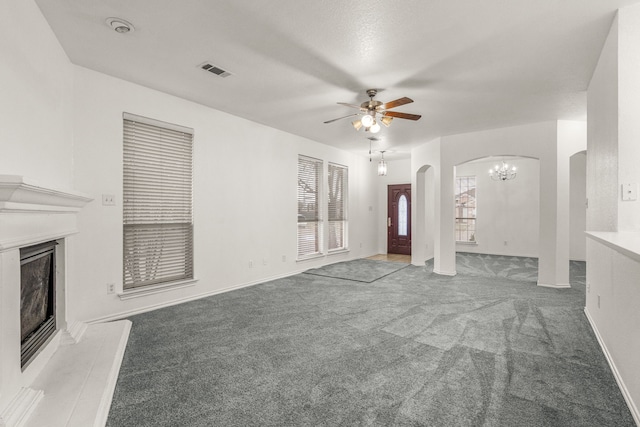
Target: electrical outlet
point(264, 261)
point(111, 288)
point(598, 301)
point(588, 286)
point(284, 258)
point(505, 243)
point(250, 263)
point(108, 200)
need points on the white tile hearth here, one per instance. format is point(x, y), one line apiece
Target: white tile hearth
point(79, 380)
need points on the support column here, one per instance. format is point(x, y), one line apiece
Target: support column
point(444, 233)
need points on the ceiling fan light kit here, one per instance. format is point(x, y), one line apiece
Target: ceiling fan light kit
point(375, 112)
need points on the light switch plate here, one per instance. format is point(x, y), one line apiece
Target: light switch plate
point(630, 191)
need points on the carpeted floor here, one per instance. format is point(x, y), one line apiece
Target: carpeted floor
point(410, 349)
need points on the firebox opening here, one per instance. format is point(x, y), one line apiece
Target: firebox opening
point(37, 298)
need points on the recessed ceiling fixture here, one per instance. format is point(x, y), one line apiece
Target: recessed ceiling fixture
point(370, 110)
point(502, 173)
point(120, 25)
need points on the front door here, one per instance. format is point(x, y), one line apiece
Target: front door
point(399, 219)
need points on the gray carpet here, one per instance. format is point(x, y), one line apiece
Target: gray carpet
point(410, 349)
point(511, 267)
point(359, 270)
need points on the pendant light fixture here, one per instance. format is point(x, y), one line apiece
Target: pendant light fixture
point(382, 165)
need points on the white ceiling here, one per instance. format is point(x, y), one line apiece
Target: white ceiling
point(467, 64)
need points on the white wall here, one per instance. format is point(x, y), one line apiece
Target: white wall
point(398, 172)
point(244, 196)
point(507, 211)
point(577, 207)
point(629, 108)
point(602, 138)
point(613, 156)
point(36, 135)
point(425, 215)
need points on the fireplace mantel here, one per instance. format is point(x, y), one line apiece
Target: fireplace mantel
point(33, 213)
point(71, 380)
point(21, 195)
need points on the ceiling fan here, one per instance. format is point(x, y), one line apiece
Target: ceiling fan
point(373, 111)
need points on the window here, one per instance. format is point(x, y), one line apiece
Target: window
point(309, 215)
point(402, 216)
point(157, 202)
point(338, 186)
point(465, 209)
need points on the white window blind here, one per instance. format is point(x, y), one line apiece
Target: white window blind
point(309, 214)
point(157, 202)
point(338, 185)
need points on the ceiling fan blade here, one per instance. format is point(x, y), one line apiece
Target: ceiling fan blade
point(352, 106)
point(340, 118)
point(396, 103)
point(402, 115)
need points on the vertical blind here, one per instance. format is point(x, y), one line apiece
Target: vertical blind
point(157, 202)
point(309, 214)
point(338, 185)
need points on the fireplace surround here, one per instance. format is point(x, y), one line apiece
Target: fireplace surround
point(32, 216)
point(37, 298)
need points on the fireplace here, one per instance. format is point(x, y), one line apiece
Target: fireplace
point(37, 298)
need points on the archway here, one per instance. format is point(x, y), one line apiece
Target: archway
point(498, 217)
point(423, 244)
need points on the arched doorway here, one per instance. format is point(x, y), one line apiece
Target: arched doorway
point(423, 245)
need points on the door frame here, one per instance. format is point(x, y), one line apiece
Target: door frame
point(398, 244)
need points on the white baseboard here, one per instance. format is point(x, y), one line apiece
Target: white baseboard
point(21, 407)
point(74, 332)
point(616, 374)
point(140, 310)
point(555, 286)
point(445, 273)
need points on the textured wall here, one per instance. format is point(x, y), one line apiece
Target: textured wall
point(602, 139)
point(629, 110)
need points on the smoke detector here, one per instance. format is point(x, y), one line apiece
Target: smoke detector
point(120, 25)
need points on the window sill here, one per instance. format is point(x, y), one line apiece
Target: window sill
point(309, 257)
point(338, 251)
point(156, 289)
point(467, 243)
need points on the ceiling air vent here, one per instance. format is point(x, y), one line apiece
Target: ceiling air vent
point(215, 70)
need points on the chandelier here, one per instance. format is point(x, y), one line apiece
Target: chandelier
point(502, 173)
